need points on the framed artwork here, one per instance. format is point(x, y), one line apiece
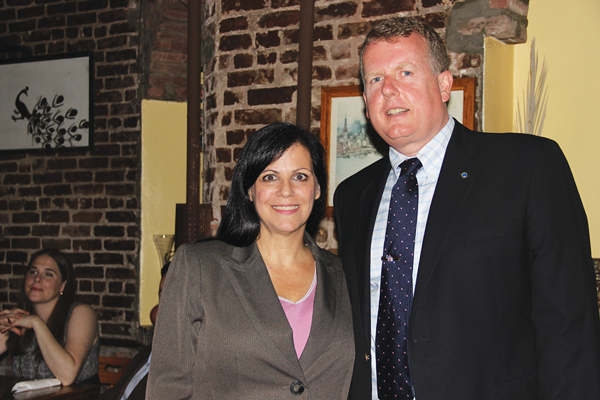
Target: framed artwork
point(462, 101)
point(350, 141)
point(46, 103)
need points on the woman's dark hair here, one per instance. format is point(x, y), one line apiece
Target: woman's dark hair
point(56, 322)
point(240, 224)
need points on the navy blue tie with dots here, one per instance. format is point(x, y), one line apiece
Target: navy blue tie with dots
point(393, 372)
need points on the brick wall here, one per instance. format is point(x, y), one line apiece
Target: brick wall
point(86, 203)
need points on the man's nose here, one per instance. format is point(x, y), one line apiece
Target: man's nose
point(389, 87)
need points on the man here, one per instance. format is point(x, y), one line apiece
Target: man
point(132, 384)
point(497, 251)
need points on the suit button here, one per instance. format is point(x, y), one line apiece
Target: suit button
point(366, 356)
point(297, 388)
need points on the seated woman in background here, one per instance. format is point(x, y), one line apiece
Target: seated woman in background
point(261, 312)
point(50, 335)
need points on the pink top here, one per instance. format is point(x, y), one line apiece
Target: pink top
point(299, 316)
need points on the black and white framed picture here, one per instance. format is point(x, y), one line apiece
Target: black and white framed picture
point(46, 103)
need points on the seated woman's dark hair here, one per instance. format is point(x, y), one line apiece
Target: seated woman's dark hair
point(240, 224)
point(56, 322)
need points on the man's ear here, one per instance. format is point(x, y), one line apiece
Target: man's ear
point(366, 105)
point(445, 81)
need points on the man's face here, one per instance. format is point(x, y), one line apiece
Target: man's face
point(404, 97)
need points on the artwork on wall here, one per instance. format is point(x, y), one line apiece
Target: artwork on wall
point(462, 101)
point(46, 103)
point(351, 142)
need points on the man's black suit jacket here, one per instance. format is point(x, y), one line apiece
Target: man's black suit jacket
point(505, 302)
point(139, 393)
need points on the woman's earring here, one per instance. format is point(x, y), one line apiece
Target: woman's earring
point(61, 292)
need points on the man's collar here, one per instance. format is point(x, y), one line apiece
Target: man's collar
point(431, 155)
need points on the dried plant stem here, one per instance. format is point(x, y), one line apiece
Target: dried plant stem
point(530, 117)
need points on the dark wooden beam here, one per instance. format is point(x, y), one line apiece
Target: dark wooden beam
point(305, 58)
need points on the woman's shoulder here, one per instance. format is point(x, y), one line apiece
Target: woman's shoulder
point(81, 312)
point(206, 247)
point(82, 308)
point(82, 318)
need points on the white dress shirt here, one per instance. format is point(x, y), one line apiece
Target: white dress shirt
point(431, 156)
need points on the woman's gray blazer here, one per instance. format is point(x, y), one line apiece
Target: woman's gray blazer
point(222, 334)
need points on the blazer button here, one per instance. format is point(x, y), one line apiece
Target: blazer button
point(297, 388)
point(367, 357)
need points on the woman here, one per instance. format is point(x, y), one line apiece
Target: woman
point(262, 312)
point(50, 335)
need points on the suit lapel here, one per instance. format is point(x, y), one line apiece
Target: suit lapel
point(451, 191)
point(250, 279)
point(369, 202)
point(326, 312)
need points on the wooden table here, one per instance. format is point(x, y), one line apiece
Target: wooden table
point(77, 391)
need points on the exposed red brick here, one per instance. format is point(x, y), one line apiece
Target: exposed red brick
point(18, 231)
point(268, 39)
point(266, 58)
point(235, 42)
point(284, 3)
point(346, 72)
point(257, 116)
point(321, 73)
point(323, 33)
point(233, 24)
point(271, 95)
point(496, 3)
point(76, 230)
point(279, 19)
point(99, 286)
point(290, 56)
point(236, 137)
point(377, 8)
point(226, 119)
point(87, 216)
point(87, 245)
point(242, 5)
point(26, 217)
point(243, 60)
point(61, 244)
point(223, 155)
point(252, 77)
point(46, 230)
point(346, 31)
point(319, 53)
point(340, 10)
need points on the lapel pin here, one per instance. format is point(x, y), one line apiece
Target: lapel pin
point(464, 175)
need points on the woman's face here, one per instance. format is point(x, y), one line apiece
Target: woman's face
point(43, 282)
point(284, 193)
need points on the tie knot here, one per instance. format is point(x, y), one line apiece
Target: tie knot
point(410, 166)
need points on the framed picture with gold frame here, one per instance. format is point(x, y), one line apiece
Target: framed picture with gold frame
point(351, 143)
point(462, 101)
